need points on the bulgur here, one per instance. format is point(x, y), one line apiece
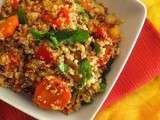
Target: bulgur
point(56, 51)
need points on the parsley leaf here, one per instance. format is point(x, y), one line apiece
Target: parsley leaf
point(21, 15)
point(71, 37)
point(102, 85)
point(86, 71)
point(54, 42)
point(55, 37)
point(63, 67)
point(36, 35)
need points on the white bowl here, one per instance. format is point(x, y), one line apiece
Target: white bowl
point(134, 14)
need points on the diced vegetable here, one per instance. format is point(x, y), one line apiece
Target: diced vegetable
point(63, 67)
point(52, 94)
point(8, 27)
point(86, 71)
point(44, 54)
point(115, 32)
point(105, 58)
point(62, 19)
point(14, 3)
point(101, 32)
point(22, 16)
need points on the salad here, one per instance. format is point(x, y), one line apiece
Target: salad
point(57, 51)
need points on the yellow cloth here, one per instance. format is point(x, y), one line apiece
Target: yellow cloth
point(144, 103)
point(153, 7)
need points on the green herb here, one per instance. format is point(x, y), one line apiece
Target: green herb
point(97, 48)
point(63, 35)
point(75, 93)
point(54, 42)
point(83, 12)
point(71, 37)
point(63, 67)
point(110, 62)
point(86, 71)
point(37, 35)
point(102, 85)
point(21, 15)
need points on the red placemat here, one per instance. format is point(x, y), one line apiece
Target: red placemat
point(143, 64)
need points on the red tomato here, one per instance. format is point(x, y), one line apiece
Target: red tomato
point(43, 53)
point(52, 94)
point(14, 3)
point(101, 32)
point(104, 60)
point(63, 18)
point(65, 13)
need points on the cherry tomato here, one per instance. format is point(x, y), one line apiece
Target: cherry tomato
point(43, 53)
point(8, 27)
point(101, 32)
point(52, 94)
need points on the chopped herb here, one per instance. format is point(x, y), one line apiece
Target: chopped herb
point(83, 12)
point(63, 35)
point(21, 15)
point(54, 42)
point(86, 71)
point(71, 37)
point(75, 93)
point(97, 48)
point(37, 35)
point(110, 62)
point(102, 85)
point(63, 67)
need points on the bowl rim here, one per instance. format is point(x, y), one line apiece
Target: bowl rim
point(126, 59)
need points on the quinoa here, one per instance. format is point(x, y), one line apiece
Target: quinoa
point(69, 42)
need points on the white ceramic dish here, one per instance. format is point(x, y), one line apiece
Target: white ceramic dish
point(134, 14)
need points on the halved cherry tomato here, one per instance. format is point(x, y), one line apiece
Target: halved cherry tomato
point(8, 27)
point(43, 53)
point(101, 32)
point(104, 59)
point(14, 3)
point(52, 94)
point(63, 18)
